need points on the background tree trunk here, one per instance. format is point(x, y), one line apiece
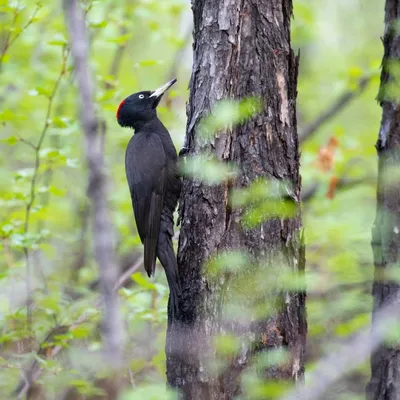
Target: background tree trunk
point(385, 362)
point(241, 49)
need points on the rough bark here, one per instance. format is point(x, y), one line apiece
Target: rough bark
point(385, 361)
point(241, 49)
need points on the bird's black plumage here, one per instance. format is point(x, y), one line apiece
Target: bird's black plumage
point(154, 183)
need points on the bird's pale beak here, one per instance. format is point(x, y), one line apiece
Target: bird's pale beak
point(162, 89)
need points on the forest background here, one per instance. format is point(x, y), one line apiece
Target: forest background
point(138, 45)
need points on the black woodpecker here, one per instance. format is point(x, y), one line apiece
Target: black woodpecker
point(154, 182)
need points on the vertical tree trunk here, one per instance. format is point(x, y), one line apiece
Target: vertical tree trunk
point(385, 362)
point(241, 49)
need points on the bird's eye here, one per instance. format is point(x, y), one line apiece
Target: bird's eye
point(141, 96)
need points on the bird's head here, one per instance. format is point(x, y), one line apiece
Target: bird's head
point(141, 107)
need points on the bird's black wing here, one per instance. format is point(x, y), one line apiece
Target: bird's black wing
point(146, 172)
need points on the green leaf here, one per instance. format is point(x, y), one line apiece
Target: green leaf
point(56, 191)
point(7, 229)
point(61, 122)
point(147, 63)
point(142, 281)
point(121, 39)
point(227, 345)
point(59, 40)
point(226, 114)
point(11, 140)
point(268, 209)
point(7, 115)
point(208, 170)
point(43, 91)
point(81, 331)
point(272, 358)
point(259, 190)
point(49, 304)
point(355, 72)
point(230, 261)
point(100, 24)
point(86, 388)
point(353, 325)
point(49, 152)
point(28, 240)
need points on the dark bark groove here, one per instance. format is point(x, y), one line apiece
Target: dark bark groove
point(241, 49)
point(385, 362)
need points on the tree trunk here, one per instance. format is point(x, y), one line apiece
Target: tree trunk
point(241, 49)
point(385, 362)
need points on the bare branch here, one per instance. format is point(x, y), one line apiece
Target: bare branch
point(127, 274)
point(333, 109)
point(102, 226)
point(28, 143)
point(343, 183)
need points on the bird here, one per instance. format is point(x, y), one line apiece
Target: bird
point(154, 183)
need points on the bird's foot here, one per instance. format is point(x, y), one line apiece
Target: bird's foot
point(184, 151)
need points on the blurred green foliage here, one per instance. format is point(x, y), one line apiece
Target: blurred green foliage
point(227, 114)
point(44, 210)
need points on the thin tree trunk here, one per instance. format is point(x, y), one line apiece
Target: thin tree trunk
point(241, 49)
point(385, 362)
point(97, 186)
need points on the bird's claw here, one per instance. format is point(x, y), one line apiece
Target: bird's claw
point(183, 152)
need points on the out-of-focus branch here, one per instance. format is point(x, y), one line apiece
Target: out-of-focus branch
point(333, 109)
point(349, 356)
point(102, 226)
point(116, 61)
point(337, 290)
point(27, 142)
point(35, 371)
point(179, 54)
point(127, 274)
point(30, 375)
point(10, 40)
point(32, 198)
point(343, 183)
point(81, 254)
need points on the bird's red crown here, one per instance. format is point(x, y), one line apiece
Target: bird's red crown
point(119, 108)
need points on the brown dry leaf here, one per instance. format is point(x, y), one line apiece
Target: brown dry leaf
point(330, 194)
point(326, 155)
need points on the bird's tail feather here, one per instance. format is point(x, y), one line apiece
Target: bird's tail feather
point(166, 255)
point(175, 292)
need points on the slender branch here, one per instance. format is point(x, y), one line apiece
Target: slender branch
point(119, 52)
point(10, 41)
point(127, 274)
point(177, 61)
point(343, 183)
point(117, 59)
point(102, 226)
point(31, 201)
point(8, 37)
point(28, 143)
point(333, 109)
